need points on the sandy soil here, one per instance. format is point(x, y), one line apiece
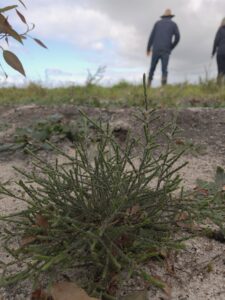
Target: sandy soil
point(199, 270)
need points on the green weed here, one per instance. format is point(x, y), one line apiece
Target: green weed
point(123, 94)
point(106, 208)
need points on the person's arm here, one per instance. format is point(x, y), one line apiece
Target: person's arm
point(176, 36)
point(216, 42)
point(151, 40)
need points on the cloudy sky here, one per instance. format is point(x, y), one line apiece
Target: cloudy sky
point(82, 35)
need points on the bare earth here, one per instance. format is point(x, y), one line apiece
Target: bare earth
point(199, 270)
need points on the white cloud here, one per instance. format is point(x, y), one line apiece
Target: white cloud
point(98, 46)
point(76, 24)
point(126, 24)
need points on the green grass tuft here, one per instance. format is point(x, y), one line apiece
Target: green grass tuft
point(123, 94)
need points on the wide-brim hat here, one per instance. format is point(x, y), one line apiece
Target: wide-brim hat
point(168, 13)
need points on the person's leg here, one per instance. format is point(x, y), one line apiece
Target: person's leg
point(165, 61)
point(155, 59)
point(221, 68)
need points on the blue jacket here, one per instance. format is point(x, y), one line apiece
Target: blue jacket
point(219, 42)
point(161, 37)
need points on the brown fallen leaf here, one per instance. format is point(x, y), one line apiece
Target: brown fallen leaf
point(113, 284)
point(133, 210)
point(40, 294)
point(183, 216)
point(168, 291)
point(68, 291)
point(41, 221)
point(192, 226)
point(201, 191)
point(169, 263)
point(179, 142)
point(27, 240)
point(182, 222)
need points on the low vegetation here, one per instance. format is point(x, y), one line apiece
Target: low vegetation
point(100, 209)
point(38, 135)
point(106, 210)
point(123, 94)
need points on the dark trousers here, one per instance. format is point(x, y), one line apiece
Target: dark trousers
point(164, 57)
point(221, 68)
point(221, 64)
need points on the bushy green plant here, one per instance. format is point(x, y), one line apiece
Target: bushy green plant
point(110, 208)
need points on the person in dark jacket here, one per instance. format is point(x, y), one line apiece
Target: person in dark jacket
point(219, 50)
point(163, 39)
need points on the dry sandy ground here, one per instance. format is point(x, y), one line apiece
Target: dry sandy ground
point(199, 270)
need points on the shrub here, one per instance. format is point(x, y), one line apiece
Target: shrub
point(108, 209)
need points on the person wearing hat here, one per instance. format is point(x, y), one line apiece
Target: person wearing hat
point(219, 50)
point(163, 39)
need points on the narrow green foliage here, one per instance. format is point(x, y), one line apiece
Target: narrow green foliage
point(194, 149)
point(204, 94)
point(215, 186)
point(38, 135)
point(207, 203)
point(106, 206)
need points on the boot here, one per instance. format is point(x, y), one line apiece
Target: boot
point(164, 80)
point(220, 79)
point(149, 83)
